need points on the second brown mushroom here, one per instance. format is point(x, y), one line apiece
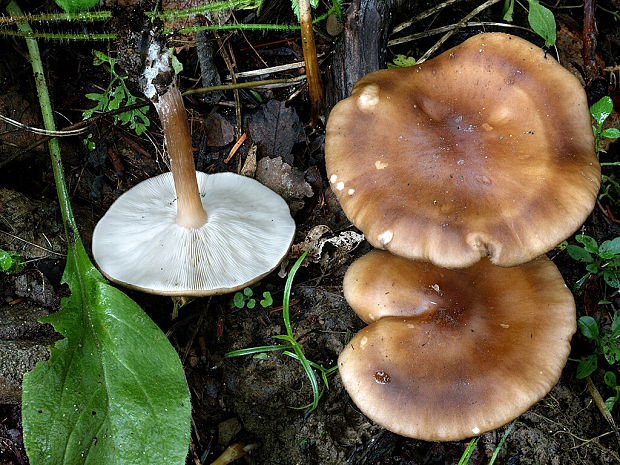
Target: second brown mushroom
point(450, 354)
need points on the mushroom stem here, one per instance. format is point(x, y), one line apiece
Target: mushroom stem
point(171, 110)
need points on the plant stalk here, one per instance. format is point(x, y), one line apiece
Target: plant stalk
point(313, 73)
point(71, 228)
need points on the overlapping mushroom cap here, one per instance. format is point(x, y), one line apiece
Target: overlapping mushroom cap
point(485, 150)
point(450, 354)
point(139, 243)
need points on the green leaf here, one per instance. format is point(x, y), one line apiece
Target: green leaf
point(248, 291)
point(611, 133)
point(610, 379)
point(588, 327)
point(508, 10)
point(113, 391)
point(579, 253)
point(402, 61)
point(94, 96)
point(239, 300)
point(602, 109)
point(612, 278)
point(611, 352)
point(11, 262)
point(177, 66)
point(610, 402)
point(592, 268)
point(615, 324)
point(251, 303)
point(267, 299)
point(612, 246)
point(542, 22)
point(75, 6)
point(586, 367)
point(589, 243)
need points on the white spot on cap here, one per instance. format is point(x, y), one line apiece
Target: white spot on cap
point(385, 237)
point(333, 178)
point(475, 430)
point(340, 186)
point(504, 325)
point(410, 325)
point(380, 165)
point(351, 191)
point(364, 341)
point(369, 97)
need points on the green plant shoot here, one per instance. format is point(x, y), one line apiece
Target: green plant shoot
point(600, 111)
point(298, 353)
point(11, 262)
point(602, 261)
point(607, 345)
point(115, 95)
point(540, 18)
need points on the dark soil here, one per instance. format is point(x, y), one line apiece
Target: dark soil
point(248, 400)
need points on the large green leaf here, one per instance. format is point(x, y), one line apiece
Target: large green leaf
point(542, 22)
point(113, 391)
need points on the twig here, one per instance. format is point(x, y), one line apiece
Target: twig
point(315, 84)
point(424, 14)
point(450, 27)
point(231, 70)
point(245, 85)
point(270, 70)
point(33, 244)
point(446, 36)
point(44, 132)
point(600, 403)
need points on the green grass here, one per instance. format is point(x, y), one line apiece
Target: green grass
point(292, 348)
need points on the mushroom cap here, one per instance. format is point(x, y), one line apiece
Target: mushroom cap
point(486, 149)
point(248, 232)
point(454, 353)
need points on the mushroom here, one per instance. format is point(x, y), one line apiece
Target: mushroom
point(450, 354)
point(485, 150)
point(186, 233)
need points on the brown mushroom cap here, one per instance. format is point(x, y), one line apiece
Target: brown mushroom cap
point(454, 353)
point(485, 150)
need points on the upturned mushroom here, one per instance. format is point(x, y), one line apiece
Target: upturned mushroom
point(186, 233)
point(485, 150)
point(450, 354)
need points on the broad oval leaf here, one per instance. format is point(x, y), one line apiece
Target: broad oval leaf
point(602, 109)
point(588, 327)
point(589, 243)
point(611, 133)
point(542, 22)
point(612, 246)
point(113, 391)
point(586, 367)
point(579, 253)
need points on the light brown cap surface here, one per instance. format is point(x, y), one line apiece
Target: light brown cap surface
point(485, 150)
point(454, 353)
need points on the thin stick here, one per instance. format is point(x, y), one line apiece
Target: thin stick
point(424, 14)
point(245, 85)
point(71, 229)
point(315, 84)
point(270, 70)
point(450, 27)
point(446, 36)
